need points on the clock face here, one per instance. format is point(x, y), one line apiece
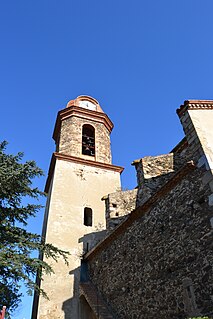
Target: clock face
point(87, 105)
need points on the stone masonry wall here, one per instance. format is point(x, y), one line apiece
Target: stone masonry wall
point(191, 135)
point(197, 120)
point(71, 139)
point(118, 206)
point(161, 265)
point(157, 165)
point(154, 171)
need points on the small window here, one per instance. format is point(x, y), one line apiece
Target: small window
point(87, 216)
point(88, 140)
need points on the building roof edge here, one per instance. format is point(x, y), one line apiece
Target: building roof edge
point(194, 105)
point(141, 210)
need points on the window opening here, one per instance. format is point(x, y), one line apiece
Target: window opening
point(87, 216)
point(88, 140)
point(87, 249)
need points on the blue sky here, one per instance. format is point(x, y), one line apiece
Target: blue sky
point(139, 59)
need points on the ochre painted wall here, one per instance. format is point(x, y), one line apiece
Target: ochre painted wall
point(74, 187)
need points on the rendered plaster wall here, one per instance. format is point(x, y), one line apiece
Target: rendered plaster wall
point(71, 139)
point(203, 123)
point(197, 125)
point(161, 265)
point(74, 186)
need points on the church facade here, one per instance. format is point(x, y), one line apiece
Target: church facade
point(144, 253)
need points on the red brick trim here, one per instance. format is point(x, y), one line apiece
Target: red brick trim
point(194, 105)
point(142, 210)
point(77, 111)
point(77, 160)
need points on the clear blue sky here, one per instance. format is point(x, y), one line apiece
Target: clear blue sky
point(139, 59)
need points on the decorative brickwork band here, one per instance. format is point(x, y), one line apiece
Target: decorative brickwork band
point(76, 111)
point(194, 105)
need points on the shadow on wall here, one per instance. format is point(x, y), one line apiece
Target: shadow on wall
point(85, 310)
point(91, 240)
point(75, 307)
point(71, 305)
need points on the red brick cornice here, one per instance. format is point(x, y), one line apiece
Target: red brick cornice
point(80, 112)
point(142, 210)
point(78, 160)
point(194, 105)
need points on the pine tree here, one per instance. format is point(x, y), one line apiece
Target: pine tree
point(16, 243)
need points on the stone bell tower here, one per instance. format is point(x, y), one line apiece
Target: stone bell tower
point(80, 174)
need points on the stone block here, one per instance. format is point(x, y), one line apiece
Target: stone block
point(211, 200)
point(211, 182)
point(207, 178)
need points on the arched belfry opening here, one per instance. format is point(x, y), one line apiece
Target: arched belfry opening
point(88, 140)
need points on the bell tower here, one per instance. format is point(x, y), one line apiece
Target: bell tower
point(80, 174)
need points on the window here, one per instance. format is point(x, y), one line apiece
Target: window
point(88, 140)
point(87, 216)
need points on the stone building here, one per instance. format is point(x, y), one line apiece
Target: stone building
point(149, 255)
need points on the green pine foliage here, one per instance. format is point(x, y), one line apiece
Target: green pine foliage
point(16, 243)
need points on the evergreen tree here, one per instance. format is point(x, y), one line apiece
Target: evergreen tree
point(16, 243)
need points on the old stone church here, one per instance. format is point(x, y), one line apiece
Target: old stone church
point(144, 253)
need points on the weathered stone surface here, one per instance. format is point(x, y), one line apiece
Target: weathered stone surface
point(149, 264)
point(153, 166)
point(154, 171)
point(118, 206)
point(71, 139)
